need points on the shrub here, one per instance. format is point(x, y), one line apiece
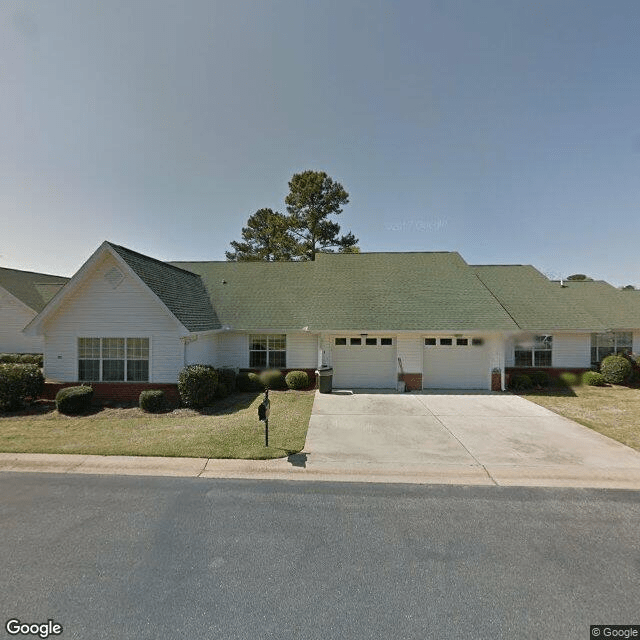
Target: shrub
point(593, 379)
point(17, 383)
point(568, 379)
point(152, 401)
point(520, 382)
point(248, 381)
point(22, 358)
point(228, 377)
point(272, 379)
point(222, 391)
point(297, 380)
point(539, 378)
point(197, 384)
point(74, 400)
point(615, 369)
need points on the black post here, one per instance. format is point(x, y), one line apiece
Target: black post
point(266, 432)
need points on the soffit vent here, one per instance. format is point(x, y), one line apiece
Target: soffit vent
point(114, 277)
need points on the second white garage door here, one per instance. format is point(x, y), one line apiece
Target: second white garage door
point(455, 363)
point(364, 362)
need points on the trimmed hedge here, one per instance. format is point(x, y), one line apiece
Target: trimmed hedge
point(17, 383)
point(248, 381)
point(593, 379)
point(152, 401)
point(74, 400)
point(615, 369)
point(520, 382)
point(297, 380)
point(539, 378)
point(22, 358)
point(197, 385)
point(272, 379)
point(568, 379)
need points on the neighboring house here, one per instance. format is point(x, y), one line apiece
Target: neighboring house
point(429, 319)
point(23, 295)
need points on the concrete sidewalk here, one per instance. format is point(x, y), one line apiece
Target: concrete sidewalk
point(301, 467)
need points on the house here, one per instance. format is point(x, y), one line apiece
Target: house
point(23, 294)
point(127, 321)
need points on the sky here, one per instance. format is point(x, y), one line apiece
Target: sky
point(505, 130)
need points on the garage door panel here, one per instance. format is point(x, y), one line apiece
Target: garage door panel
point(455, 367)
point(364, 366)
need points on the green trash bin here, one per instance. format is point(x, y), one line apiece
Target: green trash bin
point(325, 379)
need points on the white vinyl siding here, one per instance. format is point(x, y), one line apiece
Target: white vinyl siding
point(410, 352)
point(203, 350)
point(302, 351)
point(96, 309)
point(233, 350)
point(571, 350)
point(14, 316)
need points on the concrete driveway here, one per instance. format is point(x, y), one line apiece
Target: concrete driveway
point(461, 437)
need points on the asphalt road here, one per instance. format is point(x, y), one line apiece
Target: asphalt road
point(145, 558)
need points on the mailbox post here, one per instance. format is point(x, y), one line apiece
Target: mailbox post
point(264, 409)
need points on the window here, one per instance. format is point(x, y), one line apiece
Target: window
point(533, 352)
point(430, 342)
point(606, 344)
point(341, 342)
point(371, 342)
point(103, 359)
point(477, 342)
point(355, 341)
point(268, 352)
point(462, 342)
point(446, 342)
point(386, 342)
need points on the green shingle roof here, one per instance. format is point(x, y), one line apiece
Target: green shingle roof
point(616, 309)
point(533, 301)
point(181, 291)
point(374, 291)
point(32, 289)
point(258, 295)
point(404, 291)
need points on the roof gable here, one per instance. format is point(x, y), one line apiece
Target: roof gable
point(181, 291)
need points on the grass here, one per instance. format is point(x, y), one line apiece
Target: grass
point(613, 411)
point(229, 430)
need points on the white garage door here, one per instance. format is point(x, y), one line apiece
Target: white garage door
point(455, 363)
point(364, 362)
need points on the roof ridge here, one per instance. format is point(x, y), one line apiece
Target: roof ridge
point(35, 273)
point(146, 257)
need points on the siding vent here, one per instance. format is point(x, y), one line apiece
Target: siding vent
point(114, 277)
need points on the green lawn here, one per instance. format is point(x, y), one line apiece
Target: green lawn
point(230, 430)
point(613, 411)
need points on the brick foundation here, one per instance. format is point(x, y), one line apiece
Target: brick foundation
point(115, 391)
point(412, 381)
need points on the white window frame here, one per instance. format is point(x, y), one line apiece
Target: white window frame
point(617, 337)
point(268, 350)
point(534, 345)
point(127, 356)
